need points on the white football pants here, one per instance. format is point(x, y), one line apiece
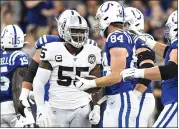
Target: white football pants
point(121, 110)
point(147, 106)
point(69, 117)
point(168, 117)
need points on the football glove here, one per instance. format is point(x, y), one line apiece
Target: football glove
point(42, 119)
point(84, 84)
point(132, 73)
point(94, 116)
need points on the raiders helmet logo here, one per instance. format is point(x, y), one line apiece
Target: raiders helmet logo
point(91, 58)
point(58, 58)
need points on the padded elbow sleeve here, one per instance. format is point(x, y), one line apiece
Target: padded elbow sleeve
point(169, 71)
point(145, 55)
point(143, 81)
point(31, 71)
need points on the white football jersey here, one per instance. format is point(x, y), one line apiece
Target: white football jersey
point(62, 92)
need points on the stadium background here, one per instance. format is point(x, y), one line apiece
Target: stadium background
point(38, 17)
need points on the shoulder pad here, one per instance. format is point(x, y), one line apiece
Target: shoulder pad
point(17, 56)
point(45, 39)
point(174, 44)
point(92, 42)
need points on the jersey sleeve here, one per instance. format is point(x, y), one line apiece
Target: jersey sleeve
point(20, 59)
point(139, 43)
point(45, 53)
point(119, 39)
point(92, 42)
point(174, 45)
point(45, 39)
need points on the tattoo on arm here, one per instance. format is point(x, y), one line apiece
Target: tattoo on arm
point(45, 65)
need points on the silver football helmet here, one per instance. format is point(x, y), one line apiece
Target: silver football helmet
point(76, 31)
point(62, 18)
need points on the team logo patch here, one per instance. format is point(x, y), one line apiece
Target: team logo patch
point(58, 58)
point(91, 58)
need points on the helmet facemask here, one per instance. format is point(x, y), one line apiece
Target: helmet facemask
point(78, 36)
point(171, 32)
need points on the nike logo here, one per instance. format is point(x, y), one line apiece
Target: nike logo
point(112, 102)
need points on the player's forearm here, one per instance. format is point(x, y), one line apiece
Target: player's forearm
point(159, 48)
point(108, 80)
point(152, 73)
point(27, 85)
point(40, 80)
point(97, 96)
point(163, 72)
point(141, 88)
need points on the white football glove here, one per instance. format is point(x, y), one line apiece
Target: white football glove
point(84, 84)
point(22, 122)
point(42, 118)
point(23, 101)
point(94, 116)
point(132, 73)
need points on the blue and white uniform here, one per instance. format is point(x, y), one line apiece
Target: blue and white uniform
point(168, 117)
point(147, 100)
point(10, 61)
point(122, 105)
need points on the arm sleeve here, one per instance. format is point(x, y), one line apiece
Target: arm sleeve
point(41, 78)
point(169, 71)
point(31, 71)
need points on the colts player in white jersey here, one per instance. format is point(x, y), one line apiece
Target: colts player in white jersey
point(60, 63)
point(13, 64)
point(146, 58)
point(33, 66)
point(168, 73)
point(119, 53)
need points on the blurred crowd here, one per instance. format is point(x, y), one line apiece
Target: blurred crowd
point(37, 18)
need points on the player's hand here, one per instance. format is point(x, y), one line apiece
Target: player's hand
point(132, 73)
point(94, 116)
point(22, 122)
point(25, 95)
point(42, 119)
point(22, 105)
point(146, 38)
point(84, 84)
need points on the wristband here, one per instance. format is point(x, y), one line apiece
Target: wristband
point(140, 73)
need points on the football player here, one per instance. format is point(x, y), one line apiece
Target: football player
point(60, 63)
point(119, 53)
point(146, 58)
point(168, 73)
point(31, 71)
point(13, 64)
point(33, 66)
